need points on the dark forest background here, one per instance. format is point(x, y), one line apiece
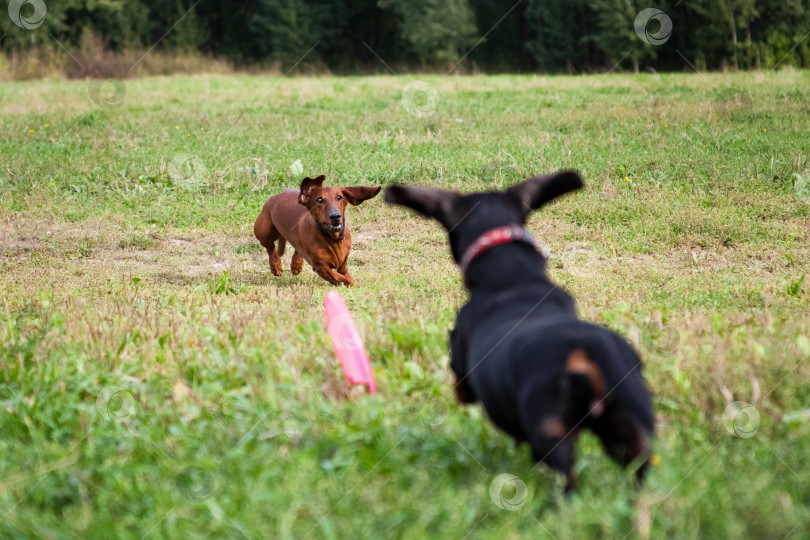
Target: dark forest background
point(557, 36)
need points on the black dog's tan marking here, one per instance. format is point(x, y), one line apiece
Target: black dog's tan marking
point(541, 374)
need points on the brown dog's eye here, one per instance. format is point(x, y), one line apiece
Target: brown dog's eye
point(340, 197)
point(320, 200)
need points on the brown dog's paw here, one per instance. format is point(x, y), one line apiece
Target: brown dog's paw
point(346, 278)
point(275, 263)
point(297, 264)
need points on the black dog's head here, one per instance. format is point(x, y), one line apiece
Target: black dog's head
point(467, 217)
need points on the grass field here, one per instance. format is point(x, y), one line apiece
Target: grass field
point(156, 381)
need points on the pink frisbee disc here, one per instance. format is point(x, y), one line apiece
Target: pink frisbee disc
point(347, 343)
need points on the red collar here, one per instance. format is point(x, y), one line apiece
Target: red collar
point(492, 238)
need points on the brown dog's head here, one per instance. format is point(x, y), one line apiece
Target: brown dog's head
point(327, 204)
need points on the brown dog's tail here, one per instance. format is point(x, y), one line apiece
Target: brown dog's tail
point(282, 243)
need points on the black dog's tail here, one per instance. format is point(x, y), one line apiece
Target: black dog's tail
point(617, 411)
point(586, 387)
point(621, 367)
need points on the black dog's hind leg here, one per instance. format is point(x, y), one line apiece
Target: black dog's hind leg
point(623, 439)
point(557, 453)
point(551, 437)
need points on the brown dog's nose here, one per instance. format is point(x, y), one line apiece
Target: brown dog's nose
point(334, 216)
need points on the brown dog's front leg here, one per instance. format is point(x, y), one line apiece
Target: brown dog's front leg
point(297, 263)
point(348, 280)
point(329, 275)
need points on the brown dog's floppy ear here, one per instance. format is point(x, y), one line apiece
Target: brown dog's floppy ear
point(537, 191)
point(358, 194)
point(306, 186)
point(435, 203)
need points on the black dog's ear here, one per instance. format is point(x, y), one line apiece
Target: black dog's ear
point(537, 191)
point(359, 194)
point(434, 203)
point(306, 186)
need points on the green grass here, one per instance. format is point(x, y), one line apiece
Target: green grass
point(158, 381)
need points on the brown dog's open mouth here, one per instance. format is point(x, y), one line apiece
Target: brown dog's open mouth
point(332, 228)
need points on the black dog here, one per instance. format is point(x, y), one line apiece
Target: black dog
point(518, 347)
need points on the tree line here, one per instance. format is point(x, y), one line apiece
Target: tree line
point(360, 36)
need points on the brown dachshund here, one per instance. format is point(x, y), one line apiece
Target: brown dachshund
point(313, 220)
